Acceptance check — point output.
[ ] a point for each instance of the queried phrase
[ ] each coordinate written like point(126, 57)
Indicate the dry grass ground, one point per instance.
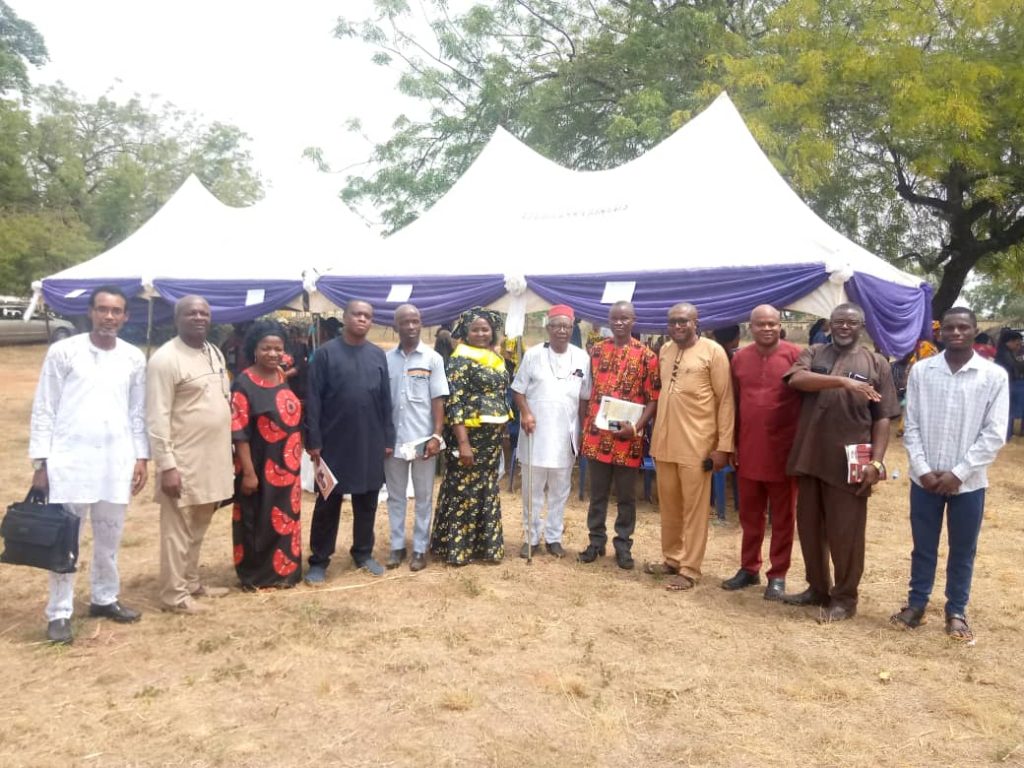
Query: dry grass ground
point(552, 664)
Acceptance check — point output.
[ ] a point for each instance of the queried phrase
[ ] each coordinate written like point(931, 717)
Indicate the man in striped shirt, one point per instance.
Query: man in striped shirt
point(957, 408)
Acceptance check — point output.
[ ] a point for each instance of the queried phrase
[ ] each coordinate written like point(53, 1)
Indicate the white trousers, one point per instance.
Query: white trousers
point(396, 474)
point(546, 487)
point(107, 527)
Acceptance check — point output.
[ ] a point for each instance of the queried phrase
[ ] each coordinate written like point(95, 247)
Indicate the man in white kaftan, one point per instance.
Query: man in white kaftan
point(551, 390)
point(89, 449)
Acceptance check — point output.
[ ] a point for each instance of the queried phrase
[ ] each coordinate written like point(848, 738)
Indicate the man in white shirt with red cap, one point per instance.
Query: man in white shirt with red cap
point(551, 390)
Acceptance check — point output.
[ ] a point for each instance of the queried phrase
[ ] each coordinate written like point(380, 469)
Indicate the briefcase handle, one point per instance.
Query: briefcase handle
point(37, 496)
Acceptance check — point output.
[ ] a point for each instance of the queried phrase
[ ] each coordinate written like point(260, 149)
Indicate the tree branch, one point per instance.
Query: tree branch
point(906, 191)
point(549, 23)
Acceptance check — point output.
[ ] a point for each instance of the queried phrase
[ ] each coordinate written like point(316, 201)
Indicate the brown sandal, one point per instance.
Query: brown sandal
point(680, 582)
point(958, 629)
point(908, 618)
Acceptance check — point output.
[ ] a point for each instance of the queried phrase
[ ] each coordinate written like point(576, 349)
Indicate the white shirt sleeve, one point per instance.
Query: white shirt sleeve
point(46, 403)
point(992, 435)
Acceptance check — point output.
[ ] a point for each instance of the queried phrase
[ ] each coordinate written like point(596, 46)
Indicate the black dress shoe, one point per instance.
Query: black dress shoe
point(807, 597)
point(418, 562)
point(590, 554)
point(115, 612)
point(836, 613)
point(58, 632)
point(775, 590)
point(741, 579)
point(529, 550)
point(624, 560)
point(396, 558)
point(555, 549)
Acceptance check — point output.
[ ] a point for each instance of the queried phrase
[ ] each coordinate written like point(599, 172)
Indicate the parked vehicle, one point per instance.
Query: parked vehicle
point(14, 329)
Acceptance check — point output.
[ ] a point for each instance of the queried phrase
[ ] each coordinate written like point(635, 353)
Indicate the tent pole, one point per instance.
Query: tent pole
point(149, 327)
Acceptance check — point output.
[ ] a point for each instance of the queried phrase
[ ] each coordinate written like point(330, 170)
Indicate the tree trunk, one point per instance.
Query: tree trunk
point(954, 275)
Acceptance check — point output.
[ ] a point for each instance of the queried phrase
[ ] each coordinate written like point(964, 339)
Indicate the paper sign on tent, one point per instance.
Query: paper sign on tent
point(255, 296)
point(618, 290)
point(400, 292)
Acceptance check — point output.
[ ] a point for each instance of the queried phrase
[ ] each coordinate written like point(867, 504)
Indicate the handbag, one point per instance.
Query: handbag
point(40, 535)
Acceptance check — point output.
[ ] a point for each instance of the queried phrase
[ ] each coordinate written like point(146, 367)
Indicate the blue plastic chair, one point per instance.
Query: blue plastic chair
point(647, 465)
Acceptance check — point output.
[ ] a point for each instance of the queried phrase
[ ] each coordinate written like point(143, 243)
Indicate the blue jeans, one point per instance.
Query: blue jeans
point(963, 522)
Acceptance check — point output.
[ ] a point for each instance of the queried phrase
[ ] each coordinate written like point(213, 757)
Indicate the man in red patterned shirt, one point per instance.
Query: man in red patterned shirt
point(623, 368)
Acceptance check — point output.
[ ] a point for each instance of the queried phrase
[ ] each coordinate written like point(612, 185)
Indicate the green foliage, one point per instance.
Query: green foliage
point(81, 176)
point(115, 163)
point(39, 243)
point(901, 121)
point(77, 177)
point(20, 44)
point(999, 291)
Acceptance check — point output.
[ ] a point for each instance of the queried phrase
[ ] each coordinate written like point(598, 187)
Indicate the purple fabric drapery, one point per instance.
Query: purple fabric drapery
point(896, 316)
point(228, 299)
point(722, 296)
point(55, 293)
point(438, 298)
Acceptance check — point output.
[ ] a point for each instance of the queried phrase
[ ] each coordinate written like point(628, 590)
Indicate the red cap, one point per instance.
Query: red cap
point(562, 310)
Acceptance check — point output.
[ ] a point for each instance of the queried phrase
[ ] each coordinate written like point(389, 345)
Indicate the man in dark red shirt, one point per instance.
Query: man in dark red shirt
point(768, 411)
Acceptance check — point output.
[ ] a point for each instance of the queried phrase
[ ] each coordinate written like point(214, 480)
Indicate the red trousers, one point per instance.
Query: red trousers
point(754, 498)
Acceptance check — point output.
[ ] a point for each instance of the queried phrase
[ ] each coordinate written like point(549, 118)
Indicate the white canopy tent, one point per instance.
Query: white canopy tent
point(247, 261)
point(706, 198)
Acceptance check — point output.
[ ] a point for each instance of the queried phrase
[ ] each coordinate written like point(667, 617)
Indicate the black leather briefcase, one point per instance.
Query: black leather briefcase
point(40, 535)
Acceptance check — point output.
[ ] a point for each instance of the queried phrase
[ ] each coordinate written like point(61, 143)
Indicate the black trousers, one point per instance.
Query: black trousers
point(323, 532)
point(601, 478)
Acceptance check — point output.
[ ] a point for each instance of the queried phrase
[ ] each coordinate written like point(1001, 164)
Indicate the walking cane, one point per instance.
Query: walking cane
point(528, 498)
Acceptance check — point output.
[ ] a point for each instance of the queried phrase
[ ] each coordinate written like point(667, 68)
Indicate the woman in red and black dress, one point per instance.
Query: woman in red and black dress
point(266, 419)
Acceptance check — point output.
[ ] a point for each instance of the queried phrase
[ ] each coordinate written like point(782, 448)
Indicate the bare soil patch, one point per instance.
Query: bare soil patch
point(555, 663)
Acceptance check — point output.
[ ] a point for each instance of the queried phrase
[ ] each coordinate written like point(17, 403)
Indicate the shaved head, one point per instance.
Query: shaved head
point(186, 302)
point(406, 309)
point(765, 311)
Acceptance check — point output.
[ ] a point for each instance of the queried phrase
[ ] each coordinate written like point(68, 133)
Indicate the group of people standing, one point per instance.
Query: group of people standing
point(783, 416)
point(779, 414)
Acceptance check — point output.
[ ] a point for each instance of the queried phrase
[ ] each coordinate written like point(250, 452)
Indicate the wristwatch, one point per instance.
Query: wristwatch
point(38, 464)
point(879, 466)
point(440, 441)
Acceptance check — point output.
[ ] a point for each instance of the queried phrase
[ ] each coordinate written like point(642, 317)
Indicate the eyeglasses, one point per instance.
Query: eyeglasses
point(845, 323)
point(559, 327)
point(680, 321)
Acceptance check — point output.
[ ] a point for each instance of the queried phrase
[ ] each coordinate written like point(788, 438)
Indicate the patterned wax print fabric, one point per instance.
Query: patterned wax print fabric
point(265, 528)
point(629, 372)
point(467, 524)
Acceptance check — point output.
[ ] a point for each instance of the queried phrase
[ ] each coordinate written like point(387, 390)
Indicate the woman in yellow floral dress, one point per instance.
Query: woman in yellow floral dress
point(467, 524)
